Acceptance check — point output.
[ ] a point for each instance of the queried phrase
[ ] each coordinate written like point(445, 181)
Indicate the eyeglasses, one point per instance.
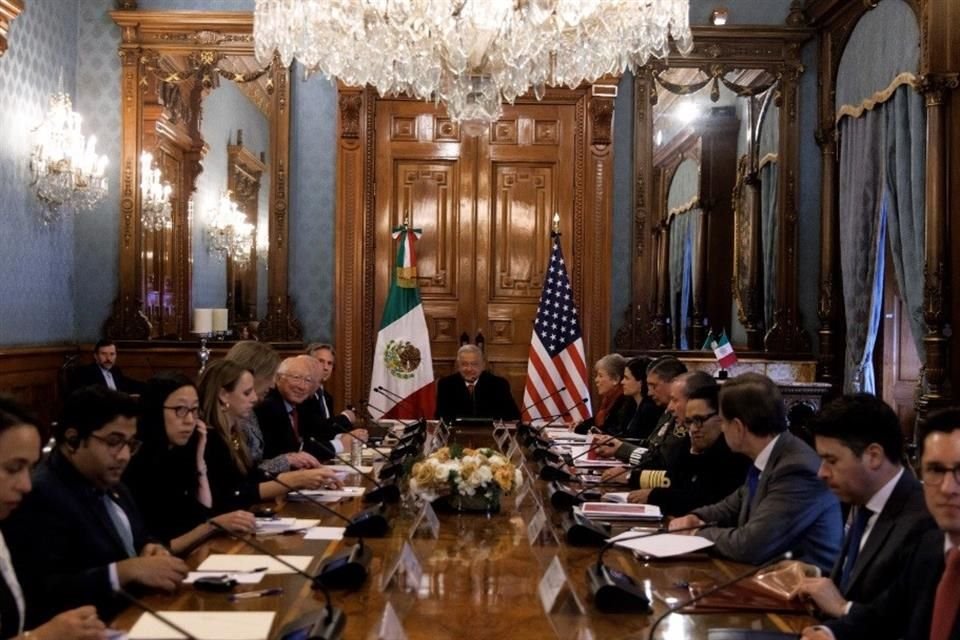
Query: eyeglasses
point(698, 421)
point(297, 377)
point(182, 411)
point(116, 442)
point(934, 474)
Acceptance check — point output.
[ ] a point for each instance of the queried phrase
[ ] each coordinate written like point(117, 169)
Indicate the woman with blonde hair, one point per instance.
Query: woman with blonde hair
point(227, 396)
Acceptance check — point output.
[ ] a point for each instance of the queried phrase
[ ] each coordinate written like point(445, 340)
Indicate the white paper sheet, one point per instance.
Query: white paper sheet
point(205, 625)
point(266, 526)
point(242, 577)
point(324, 533)
point(664, 545)
point(250, 562)
point(615, 496)
point(348, 470)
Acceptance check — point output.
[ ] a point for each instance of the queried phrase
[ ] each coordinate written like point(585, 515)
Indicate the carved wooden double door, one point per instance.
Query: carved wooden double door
point(484, 200)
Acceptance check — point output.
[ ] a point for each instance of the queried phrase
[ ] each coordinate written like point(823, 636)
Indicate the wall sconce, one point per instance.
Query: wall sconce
point(155, 209)
point(719, 17)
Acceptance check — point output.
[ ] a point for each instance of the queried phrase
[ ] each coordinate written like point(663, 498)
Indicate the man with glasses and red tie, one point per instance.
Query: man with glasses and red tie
point(78, 537)
point(923, 600)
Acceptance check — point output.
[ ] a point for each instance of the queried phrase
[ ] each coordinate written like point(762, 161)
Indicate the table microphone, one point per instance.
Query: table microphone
point(416, 424)
point(544, 399)
point(551, 472)
point(335, 620)
point(140, 604)
point(616, 592)
point(383, 493)
point(723, 585)
point(369, 523)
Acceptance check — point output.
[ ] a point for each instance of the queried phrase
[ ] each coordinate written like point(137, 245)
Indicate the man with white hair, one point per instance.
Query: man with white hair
point(473, 392)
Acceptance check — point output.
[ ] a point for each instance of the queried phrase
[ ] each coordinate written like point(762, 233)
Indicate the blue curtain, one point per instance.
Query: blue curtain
point(905, 143)
point(862, 227)
point(769, 177)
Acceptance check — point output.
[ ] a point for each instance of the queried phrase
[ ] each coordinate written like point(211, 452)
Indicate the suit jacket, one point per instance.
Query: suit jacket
point(792, 510)
point(278, 434)
point(887, 550)
point(62, 541)
point(696, 480)
point(491, 398)
point(91, 375)
point(906, 608)
point(9, 611)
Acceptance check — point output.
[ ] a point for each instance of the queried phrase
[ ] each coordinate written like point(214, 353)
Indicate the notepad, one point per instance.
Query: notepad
point(324, 533)
point(205, 625)
point(250, 562)
point(664, 545)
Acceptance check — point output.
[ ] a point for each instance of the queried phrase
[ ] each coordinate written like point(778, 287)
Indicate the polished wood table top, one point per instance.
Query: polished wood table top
point(480, 580)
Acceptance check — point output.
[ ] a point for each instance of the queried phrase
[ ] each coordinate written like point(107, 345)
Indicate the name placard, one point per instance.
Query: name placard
point(390, 626)
point(555, 588)
point(536, 525)
point(426, 517)
point(407, 564)
point(513, 452)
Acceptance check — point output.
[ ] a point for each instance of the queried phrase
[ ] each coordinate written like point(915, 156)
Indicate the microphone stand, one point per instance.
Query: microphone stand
point(335, 620)
point(140, 604)
point(383, 493)
point(368, 523)
point(616, 592)
point(723, 585)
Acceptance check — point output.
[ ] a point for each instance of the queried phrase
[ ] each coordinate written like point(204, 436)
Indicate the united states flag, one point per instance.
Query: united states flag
point(557, 358)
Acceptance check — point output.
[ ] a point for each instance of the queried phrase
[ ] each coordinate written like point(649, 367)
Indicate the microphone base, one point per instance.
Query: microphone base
point(564, 499)
point(615, 592)
point(549, 472)
point(391, 470)
point(369, 523)
point(389, 493)
point(323, 624)
point(345, 570)
point(584, 532)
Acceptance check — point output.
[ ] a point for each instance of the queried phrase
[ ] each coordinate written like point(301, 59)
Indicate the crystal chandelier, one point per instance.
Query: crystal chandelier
point(469, 54)
point(229, 233)
point(66, 170)
point(155, 209)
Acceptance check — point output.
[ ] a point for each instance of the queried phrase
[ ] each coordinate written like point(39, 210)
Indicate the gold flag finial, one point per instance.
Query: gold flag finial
point(556, 222)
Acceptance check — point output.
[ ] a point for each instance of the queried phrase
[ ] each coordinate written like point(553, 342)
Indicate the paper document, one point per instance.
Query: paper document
point(615, 496)
point(348, 470)
point(205, 625)
point(242, 577)
point(251, 562)
point(621, 511)
point(664, 545)
point(266, 526)
point(324, 533)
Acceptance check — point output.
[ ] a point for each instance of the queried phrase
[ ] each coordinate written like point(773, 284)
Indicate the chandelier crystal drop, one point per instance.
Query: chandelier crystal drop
point(155, 209)
point(67, 173)
point(471, 55)
point(229, 234)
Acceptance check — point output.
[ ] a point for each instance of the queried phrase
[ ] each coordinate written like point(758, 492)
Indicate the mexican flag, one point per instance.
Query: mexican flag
point(723, 351)
point(402, 382)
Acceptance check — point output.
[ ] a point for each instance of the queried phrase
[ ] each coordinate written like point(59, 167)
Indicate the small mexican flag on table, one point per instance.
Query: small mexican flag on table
point(722, 349)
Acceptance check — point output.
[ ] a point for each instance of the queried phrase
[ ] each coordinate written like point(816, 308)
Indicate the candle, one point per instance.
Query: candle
point(202, 321)
point(219, 320)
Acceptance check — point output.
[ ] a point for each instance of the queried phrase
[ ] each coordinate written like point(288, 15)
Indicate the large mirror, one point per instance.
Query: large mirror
point(714, 220)
point(215, 122)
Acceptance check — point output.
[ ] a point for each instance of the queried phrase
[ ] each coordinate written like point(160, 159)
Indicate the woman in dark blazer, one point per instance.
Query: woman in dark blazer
point(19, 452)
point(168, 476)
point(615, 408)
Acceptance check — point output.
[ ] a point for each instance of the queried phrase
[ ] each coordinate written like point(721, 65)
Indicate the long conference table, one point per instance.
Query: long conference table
point(483, 576)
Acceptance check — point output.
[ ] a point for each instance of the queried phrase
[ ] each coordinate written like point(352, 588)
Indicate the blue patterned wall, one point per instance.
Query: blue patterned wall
point(808, 199)
point(37, 287)
point(621, 243)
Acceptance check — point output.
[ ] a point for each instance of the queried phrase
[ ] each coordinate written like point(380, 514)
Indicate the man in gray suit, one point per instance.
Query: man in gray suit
point(782, 506)
point(860, 444)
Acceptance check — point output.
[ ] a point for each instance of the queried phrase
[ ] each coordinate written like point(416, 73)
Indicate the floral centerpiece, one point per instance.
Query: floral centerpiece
point(465, 479)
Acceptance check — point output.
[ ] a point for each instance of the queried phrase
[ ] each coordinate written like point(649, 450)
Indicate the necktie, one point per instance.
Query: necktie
point(120, 523)
point(753, 479)
point(108, 378)
point(854, 538)
point(947, 600)
point(470, 386)
point(295, 423)
point(323, 403)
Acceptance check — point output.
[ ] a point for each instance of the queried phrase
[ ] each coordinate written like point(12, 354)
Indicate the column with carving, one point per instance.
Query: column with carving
point(828, 305)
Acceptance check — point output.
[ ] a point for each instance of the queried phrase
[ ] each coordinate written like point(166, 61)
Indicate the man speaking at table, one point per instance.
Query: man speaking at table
point(473, 392)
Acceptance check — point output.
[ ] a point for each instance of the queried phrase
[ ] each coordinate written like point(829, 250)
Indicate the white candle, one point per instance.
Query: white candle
point(202, 321)
point(219, 319)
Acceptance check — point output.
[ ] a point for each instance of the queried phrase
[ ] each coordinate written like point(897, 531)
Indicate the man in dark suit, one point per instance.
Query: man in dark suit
point(923, 600)
point(860, 444)
point(783, 506)
point(104, 372)
point(325, 356)
point(78, 537)
point(473, 392)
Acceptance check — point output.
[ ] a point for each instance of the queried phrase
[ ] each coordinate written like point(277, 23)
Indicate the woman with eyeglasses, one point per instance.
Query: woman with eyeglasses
point(227, 396)
point(168, 476)
point(19, 451)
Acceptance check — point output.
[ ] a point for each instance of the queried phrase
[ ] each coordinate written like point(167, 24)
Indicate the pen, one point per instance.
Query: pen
point(227, 573)
point(248, 595)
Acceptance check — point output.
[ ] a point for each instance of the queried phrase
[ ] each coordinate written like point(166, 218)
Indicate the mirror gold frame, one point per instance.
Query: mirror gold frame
point(210, 35)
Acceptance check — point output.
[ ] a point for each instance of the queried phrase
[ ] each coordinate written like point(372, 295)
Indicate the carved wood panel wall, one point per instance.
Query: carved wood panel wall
point(484, 198)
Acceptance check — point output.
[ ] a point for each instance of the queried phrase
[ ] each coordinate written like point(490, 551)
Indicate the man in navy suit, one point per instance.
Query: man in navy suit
point(783, 506)
point(923, 600)
point(473, 392)
point(78, 537)
point(860, 444)
point(103, 371)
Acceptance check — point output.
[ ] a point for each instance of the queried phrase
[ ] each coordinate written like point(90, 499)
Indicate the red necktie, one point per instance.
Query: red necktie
point(295, 422)
point(947, 601)
point(470, 388)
